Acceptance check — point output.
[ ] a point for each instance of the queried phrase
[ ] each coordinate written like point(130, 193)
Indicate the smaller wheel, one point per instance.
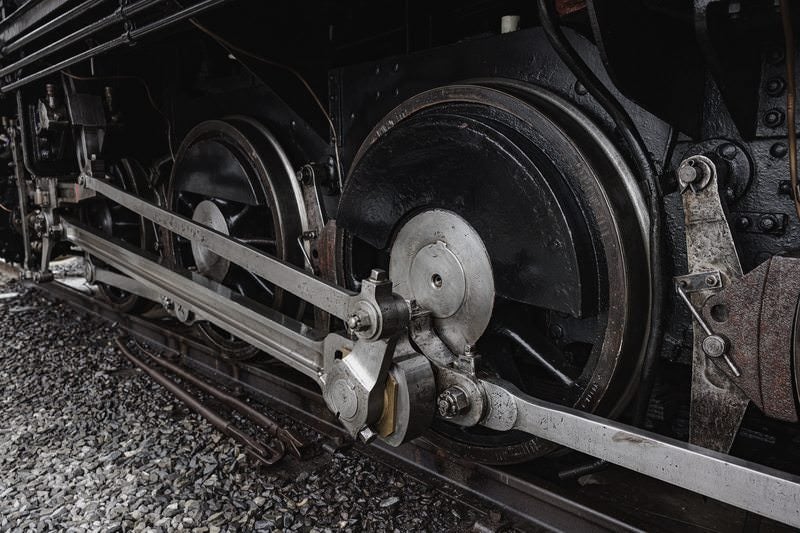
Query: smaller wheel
point(121, 223)
point(231, 175)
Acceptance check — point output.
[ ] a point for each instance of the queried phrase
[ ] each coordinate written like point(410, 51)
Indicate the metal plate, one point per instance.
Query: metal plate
point(439, 260)
point(208, 263)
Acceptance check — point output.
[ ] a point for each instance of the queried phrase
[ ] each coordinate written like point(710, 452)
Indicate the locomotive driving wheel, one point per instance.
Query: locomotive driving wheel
point(506, 212)
point(231, 175)
point(121, 223)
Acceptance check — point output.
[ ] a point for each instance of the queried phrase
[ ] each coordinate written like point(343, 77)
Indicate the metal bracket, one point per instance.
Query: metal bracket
point(718, 404)
point(713, 345)
point(700, 281)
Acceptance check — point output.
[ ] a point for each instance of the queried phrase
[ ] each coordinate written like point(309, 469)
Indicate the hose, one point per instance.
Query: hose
point(652, 189)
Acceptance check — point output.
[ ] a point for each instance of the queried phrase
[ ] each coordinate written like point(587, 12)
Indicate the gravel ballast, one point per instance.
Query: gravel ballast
point(87, 443)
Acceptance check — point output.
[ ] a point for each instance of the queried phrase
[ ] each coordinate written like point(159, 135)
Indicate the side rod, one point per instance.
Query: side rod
point(288, 340)
point(319, 293)
point(747, 485)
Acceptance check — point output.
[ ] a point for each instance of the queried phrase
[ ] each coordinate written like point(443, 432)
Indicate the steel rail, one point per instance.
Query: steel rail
point(126, 38)
point(318, 292)
point(260, 451)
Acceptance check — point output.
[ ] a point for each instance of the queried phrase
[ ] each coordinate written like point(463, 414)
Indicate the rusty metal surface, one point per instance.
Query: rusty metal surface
point(776, 330)
point(759, 314)
point(742, 304)
point(717, 404)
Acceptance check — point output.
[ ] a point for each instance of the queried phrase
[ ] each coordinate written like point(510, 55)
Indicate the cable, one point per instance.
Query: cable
point(149, 95)
point(791, 88)
point(231, 48)
point(652, 189)
point(4, 208)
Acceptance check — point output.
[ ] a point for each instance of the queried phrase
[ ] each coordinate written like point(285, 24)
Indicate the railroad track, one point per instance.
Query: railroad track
point(536, 496)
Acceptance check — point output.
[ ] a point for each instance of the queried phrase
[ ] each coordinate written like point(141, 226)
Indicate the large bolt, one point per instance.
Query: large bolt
point(714, 346)
point(452, 402)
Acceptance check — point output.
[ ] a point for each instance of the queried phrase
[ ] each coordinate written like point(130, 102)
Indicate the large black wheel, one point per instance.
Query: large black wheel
point(509, 213)
point(232, 176)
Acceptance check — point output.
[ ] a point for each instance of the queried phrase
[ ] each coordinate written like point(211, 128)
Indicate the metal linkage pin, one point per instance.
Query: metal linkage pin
point(713, 345)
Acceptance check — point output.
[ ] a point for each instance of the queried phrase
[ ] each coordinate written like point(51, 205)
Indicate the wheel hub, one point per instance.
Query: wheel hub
point(208, 263)
point(440, 261)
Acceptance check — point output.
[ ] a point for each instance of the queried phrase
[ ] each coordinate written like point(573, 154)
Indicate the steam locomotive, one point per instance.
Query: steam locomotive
point(506, 227)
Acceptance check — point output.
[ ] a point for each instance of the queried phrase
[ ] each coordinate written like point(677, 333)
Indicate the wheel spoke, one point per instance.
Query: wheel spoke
point(235, 219)
point(259, 242)
point(262, 284)
point(545, 364)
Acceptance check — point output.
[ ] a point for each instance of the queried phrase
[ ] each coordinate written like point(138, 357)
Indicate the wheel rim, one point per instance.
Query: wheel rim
point(548, 165)
point(232, 175)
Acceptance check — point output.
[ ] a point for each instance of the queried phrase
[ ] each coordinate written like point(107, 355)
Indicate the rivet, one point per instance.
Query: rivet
point(778, 150)
point(775, 86)
point(773, 118)
point(743, 222)
point(727, 150)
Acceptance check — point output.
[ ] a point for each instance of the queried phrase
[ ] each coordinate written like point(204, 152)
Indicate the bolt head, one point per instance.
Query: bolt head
point(743, 222)
point(366, 435)
point(378, 274)
point(452, 402)
point(775, 86)
point(768, 223)
point(773, 118)
point(688, 174)
point(714, 346)
point(353, 322)
point(778, 150)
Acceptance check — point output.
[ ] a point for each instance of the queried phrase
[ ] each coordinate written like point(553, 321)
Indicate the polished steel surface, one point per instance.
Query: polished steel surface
point(440, 261)
point(759, 489)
